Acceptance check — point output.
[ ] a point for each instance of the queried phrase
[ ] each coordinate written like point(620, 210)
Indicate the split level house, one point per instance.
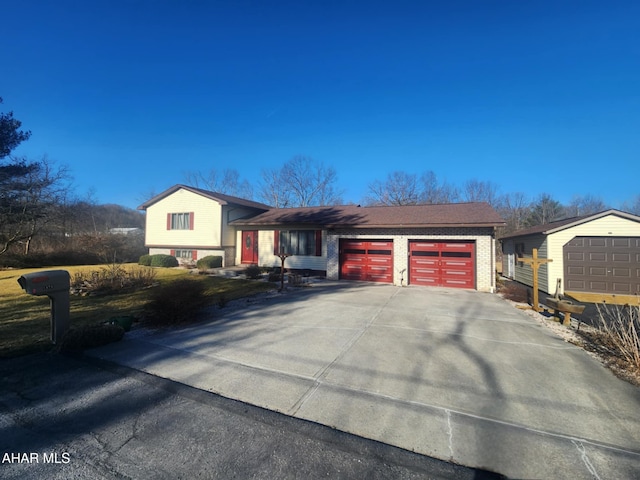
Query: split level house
point(450, 245)
point(592, 255)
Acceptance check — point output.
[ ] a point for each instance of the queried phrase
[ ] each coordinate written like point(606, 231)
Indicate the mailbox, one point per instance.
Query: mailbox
point(55, 285)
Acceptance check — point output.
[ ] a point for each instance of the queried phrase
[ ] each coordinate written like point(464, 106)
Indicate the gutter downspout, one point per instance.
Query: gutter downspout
point(493, 261)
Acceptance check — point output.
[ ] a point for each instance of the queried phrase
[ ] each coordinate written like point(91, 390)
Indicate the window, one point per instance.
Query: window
point(519, 249)
point(298, 242)
point(180, 221)
point(185, 254)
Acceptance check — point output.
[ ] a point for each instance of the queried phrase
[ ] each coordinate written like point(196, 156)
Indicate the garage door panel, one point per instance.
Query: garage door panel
point(576, 285)
point(456, 263)
point(621, 257)
point(352, 257)
point(380, 260)
point(366, 260)
point(426, 281)
point(622, 288)
point(388, 246)
point(424, 246)
point(597, 271)
point(445, 264)
point(424, 272)
point(420, 261)
point(621, 272)
point(457, 283)
point(354, 272)
point(621, 242)
point(597, 286)
point(454, 273)
point(602, 265)
point(576, 256)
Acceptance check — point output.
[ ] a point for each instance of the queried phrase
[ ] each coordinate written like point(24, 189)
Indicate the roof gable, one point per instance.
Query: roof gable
point(432, 215)
point(559, 225)
point(221, 198)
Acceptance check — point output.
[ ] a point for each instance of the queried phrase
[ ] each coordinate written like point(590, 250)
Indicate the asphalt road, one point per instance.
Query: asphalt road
point(80, 418)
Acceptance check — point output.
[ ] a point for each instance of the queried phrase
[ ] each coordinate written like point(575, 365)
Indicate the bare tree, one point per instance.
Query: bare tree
point(632, 206)
point(480, 191)
point(271, 189)
point(227, 181)
point(544, 210)
point(310, 182)
point(584, 205)
point(301, 182)
point(514, 208)
point(435, 192)
point(400, 188)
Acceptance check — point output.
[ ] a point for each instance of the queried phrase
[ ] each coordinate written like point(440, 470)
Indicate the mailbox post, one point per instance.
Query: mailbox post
point(55, 285)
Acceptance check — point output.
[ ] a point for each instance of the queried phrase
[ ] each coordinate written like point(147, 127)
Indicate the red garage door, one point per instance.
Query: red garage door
point(442, 264)
point(371, 261)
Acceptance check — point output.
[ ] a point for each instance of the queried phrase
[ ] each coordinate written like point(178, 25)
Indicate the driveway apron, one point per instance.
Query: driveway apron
point(454, 374)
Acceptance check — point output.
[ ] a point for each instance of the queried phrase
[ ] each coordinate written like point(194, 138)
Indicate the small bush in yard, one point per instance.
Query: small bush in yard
point(163, 260)
point(274, 277)
point(176, 302)
point(145, 260)
point(253, 271)
point(208, 262)
point(114, 278)
point(79, 339)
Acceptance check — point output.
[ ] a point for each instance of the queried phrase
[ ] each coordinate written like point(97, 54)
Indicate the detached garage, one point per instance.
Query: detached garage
point(595, 256)
point(449, 245)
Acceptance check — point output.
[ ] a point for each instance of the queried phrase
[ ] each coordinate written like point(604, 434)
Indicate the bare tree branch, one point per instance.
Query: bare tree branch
point(227, 181)
point(400, 188)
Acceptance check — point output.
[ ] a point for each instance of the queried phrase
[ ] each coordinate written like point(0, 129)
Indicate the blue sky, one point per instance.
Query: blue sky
point(533, 96)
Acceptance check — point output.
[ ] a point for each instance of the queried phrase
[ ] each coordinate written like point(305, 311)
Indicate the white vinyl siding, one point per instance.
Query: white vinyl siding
point(608, 226)
point(205, 232)
point(230, 213)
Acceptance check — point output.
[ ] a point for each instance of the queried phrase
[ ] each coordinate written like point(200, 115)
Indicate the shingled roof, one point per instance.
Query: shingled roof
point(352, 216)
point(221, 198)
point(558, 225)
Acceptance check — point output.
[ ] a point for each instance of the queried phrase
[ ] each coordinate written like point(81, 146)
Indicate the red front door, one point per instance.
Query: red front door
point(249, 246)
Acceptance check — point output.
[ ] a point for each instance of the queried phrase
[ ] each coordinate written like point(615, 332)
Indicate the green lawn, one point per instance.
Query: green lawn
point(24, 319)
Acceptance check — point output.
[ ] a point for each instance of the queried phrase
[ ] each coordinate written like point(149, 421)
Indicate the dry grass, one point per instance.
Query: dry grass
point(513, 291)
point(615, 339)
point(24, 319)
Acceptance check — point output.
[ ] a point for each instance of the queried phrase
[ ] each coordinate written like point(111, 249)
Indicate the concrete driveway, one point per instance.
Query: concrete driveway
point(457, 375)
